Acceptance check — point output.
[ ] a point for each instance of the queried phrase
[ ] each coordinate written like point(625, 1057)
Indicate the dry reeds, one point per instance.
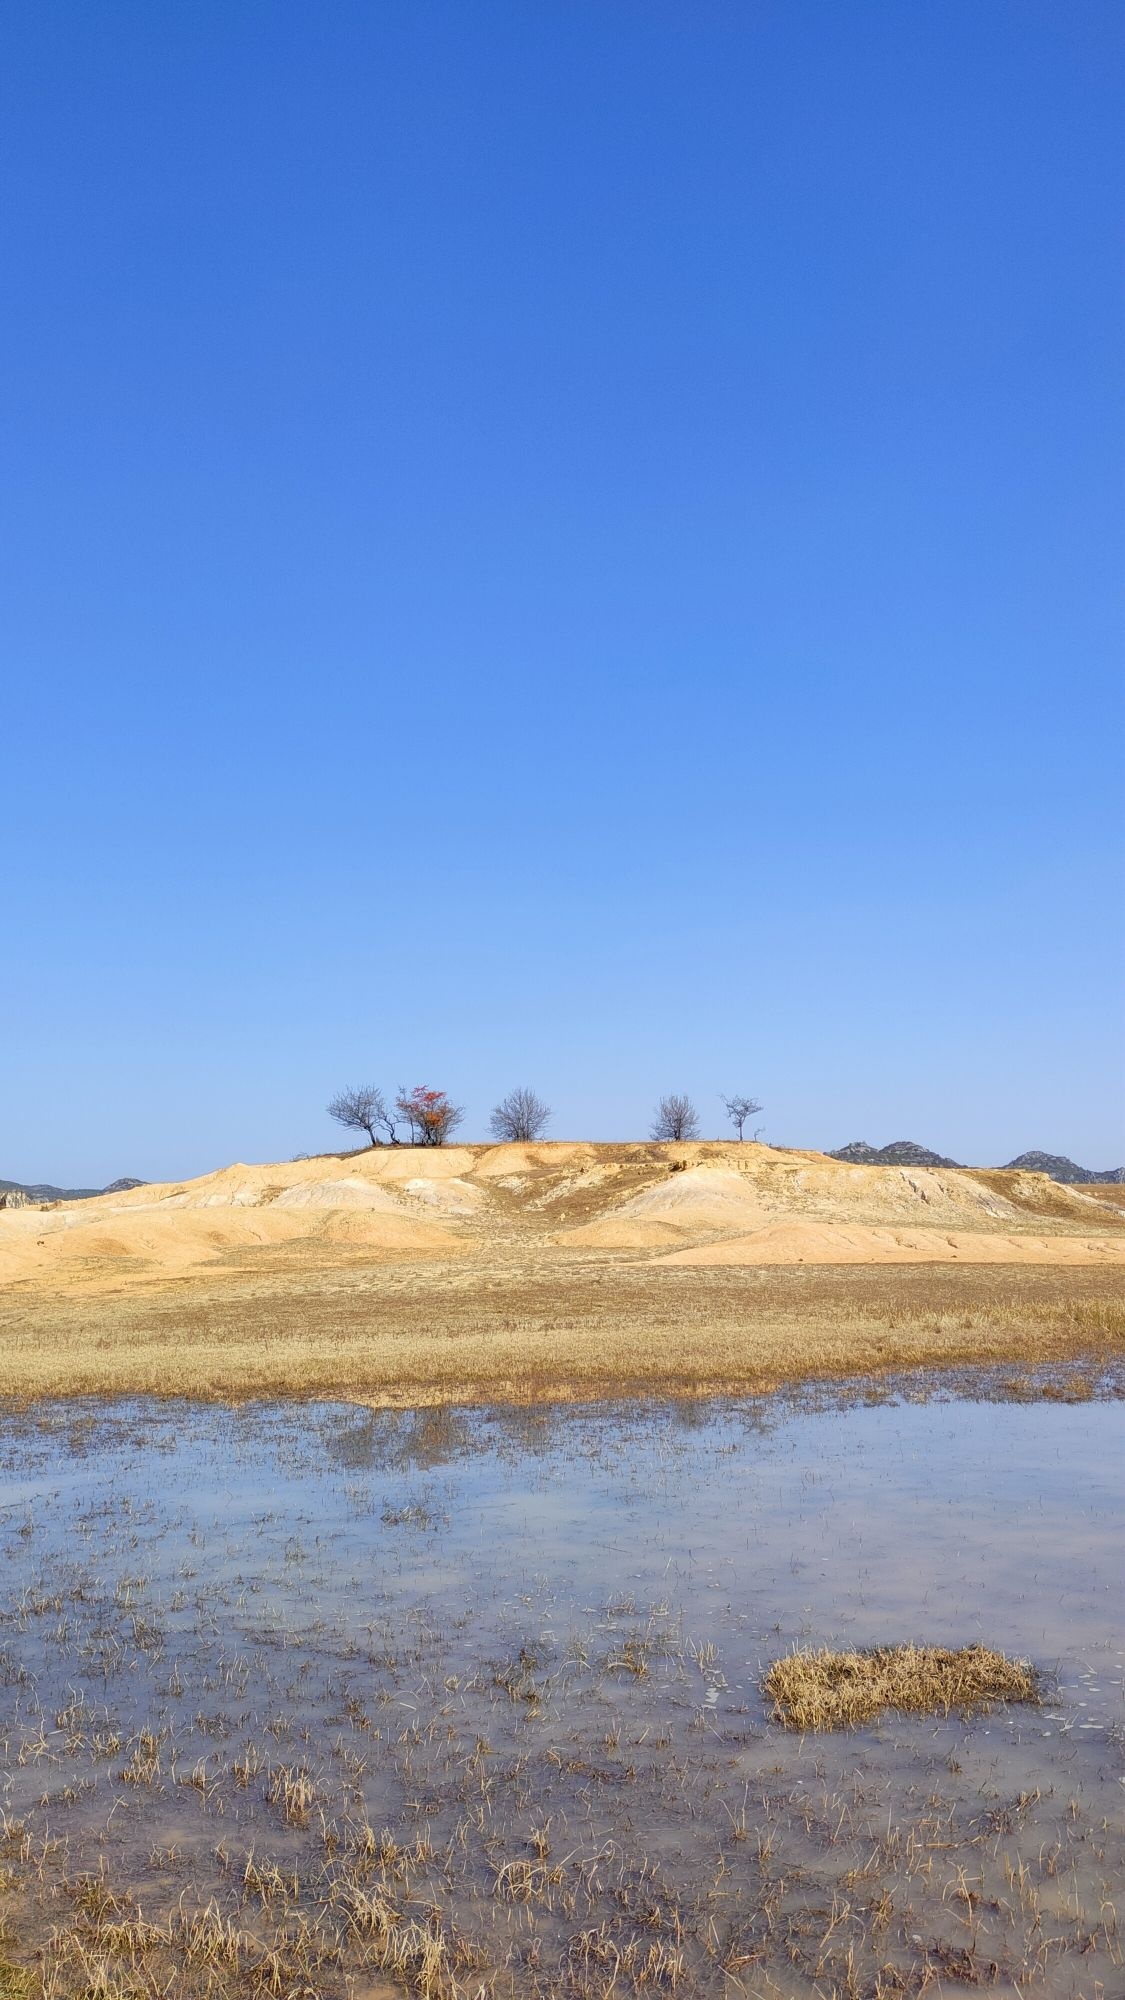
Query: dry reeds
point(16, 1983)
point(827, 1690)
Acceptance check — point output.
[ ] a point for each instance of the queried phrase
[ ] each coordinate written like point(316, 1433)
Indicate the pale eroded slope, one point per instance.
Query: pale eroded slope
point(697, 1204)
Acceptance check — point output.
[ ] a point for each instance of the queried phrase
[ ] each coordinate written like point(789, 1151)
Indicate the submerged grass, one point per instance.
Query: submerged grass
point(827, 1690)
point(510, 1763)
point(15, 1982)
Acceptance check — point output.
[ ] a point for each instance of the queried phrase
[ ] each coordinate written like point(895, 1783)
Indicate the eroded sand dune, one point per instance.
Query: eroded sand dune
point(314, 1208)
point(839, 1243)
point(700, 1204)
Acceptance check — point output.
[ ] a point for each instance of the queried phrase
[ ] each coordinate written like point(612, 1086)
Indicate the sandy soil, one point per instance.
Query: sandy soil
point(555, 1269)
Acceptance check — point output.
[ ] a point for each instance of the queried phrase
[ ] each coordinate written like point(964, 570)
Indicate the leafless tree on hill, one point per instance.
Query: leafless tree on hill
point(739, 1109)
point(520, 1115)
point(363, 1110)
point(676, 1118)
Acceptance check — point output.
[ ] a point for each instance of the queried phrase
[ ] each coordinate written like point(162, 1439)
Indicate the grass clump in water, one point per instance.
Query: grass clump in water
point(15, 1982)
point(827, 1690)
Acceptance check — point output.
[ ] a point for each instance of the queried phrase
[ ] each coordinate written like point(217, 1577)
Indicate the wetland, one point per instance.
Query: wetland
point(319, 1700)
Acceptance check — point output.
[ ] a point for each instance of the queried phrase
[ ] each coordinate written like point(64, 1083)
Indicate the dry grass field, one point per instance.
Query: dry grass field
point(552, 1272)
point(1110, 1193)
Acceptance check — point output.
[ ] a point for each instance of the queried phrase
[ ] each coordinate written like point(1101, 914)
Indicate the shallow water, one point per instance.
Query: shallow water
point(529, 1647)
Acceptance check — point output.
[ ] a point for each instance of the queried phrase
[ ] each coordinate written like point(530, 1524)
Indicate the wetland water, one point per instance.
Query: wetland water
point(309, 1700)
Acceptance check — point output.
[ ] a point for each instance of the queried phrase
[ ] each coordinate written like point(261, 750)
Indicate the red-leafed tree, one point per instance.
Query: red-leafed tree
point(429, 1113)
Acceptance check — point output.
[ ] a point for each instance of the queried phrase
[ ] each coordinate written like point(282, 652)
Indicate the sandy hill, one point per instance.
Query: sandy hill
point(704, 1203)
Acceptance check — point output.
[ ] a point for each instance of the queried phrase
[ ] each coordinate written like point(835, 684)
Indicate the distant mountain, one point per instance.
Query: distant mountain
point(904, 1153)
point(43, 1191)
point(1061, 1169)
point(900, 1153)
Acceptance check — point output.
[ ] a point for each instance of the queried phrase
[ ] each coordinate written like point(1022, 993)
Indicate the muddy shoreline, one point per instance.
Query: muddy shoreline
point(317, 1698)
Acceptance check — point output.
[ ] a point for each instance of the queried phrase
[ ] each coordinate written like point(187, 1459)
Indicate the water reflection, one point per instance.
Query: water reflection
point(499, 1675)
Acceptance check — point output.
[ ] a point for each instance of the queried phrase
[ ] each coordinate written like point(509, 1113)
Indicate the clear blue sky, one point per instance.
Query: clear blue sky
point(575, 543)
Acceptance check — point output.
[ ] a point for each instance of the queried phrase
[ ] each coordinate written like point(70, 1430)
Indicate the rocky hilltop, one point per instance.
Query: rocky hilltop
point(44, 1191)
point(900, 1153)
point(1059, 1168)
point(907, 1153)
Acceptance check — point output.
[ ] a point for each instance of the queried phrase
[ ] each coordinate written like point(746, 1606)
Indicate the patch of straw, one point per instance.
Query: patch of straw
point(827, 1690)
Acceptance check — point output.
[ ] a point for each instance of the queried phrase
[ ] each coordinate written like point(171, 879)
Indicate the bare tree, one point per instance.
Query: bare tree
point(403, 1110)
point(520, 1115)
point(676, 1118)
point(429, 1113)
point(363, 1110)
point(739, 1109)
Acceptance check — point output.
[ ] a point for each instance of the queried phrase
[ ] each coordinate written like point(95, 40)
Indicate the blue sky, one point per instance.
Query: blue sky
point(569, 543)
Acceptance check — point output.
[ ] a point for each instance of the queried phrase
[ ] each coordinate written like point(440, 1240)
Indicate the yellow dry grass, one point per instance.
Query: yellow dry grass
point(529, 1273)
point(16, 1983)
point(1109, 1193)
point(827, 1690)
point(409, 1337)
